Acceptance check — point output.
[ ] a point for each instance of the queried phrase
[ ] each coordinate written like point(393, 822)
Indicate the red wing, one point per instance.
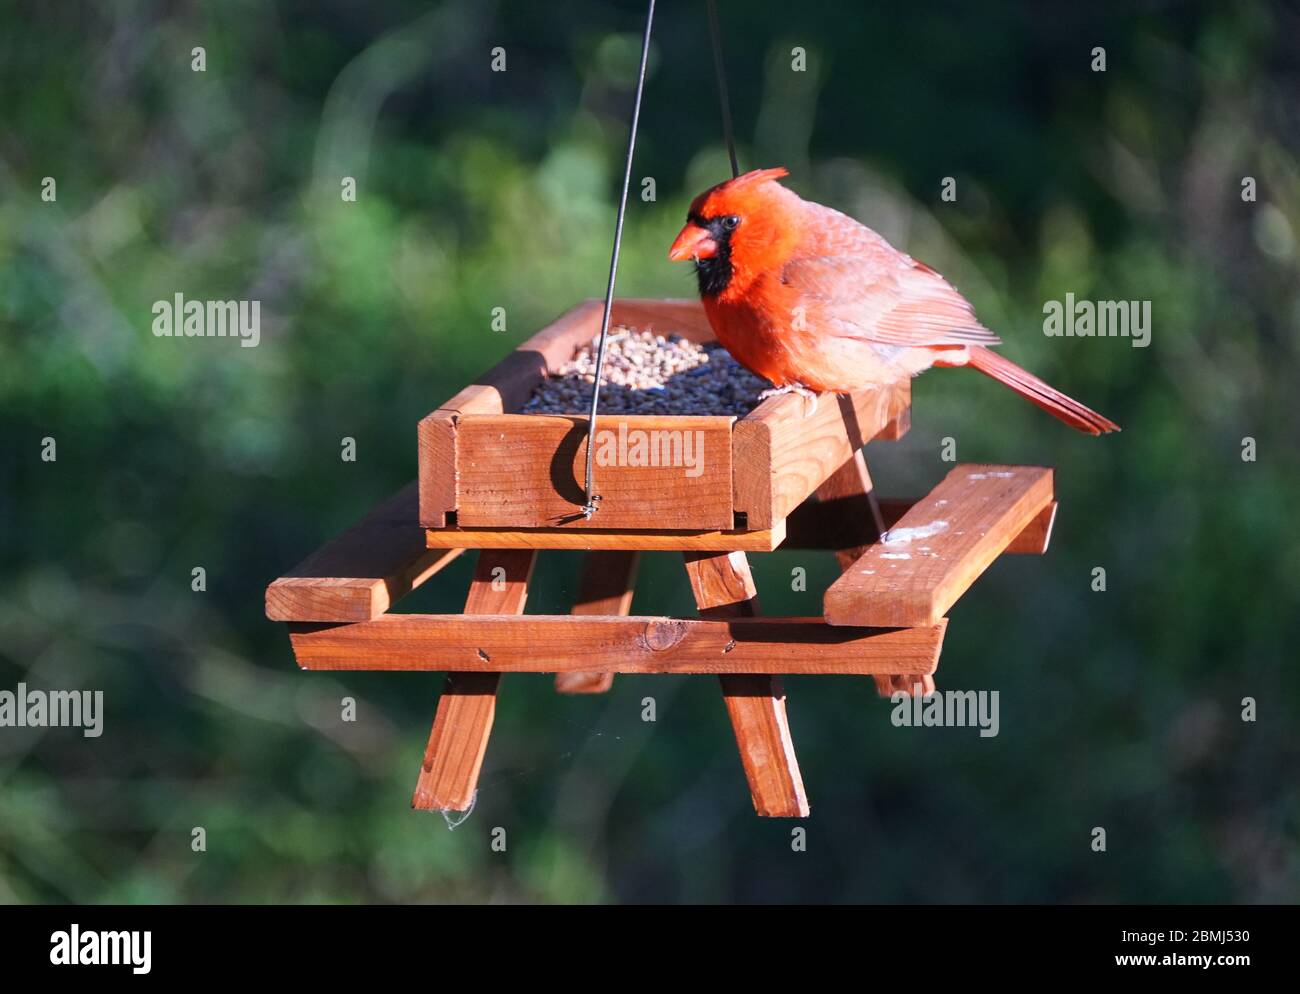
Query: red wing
point(856, 285)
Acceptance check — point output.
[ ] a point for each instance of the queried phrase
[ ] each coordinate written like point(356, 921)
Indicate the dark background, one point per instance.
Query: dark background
point(476, 189)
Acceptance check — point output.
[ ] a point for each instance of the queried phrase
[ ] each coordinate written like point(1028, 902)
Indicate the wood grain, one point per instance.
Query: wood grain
point(782, 454)
point(463, 723)
point(362, 572)
point(722, 584)
point(435, 446)
point(561, 643)
point(724, 588)
point(527, 471)
point(901, 583)
point(605, 589)
point(667, 540)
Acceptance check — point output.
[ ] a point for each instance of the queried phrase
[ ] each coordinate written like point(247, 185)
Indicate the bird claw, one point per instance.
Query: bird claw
point(801, 390)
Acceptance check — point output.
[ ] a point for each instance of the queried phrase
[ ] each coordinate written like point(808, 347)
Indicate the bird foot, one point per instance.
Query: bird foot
point(803, 391)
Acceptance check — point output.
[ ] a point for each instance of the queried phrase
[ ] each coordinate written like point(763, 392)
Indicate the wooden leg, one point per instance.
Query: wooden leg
point(850, 488)
point(452, 760)
point(606, 589)
point(724, 588)
point(454, 755)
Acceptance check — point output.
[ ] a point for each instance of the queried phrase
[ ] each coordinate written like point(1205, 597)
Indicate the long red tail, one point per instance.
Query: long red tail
point(1037, 392)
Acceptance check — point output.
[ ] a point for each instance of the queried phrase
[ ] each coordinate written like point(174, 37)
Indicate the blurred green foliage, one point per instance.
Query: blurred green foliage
point(480, 189)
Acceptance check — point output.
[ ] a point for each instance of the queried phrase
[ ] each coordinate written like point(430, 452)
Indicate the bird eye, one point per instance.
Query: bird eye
point(730, 221)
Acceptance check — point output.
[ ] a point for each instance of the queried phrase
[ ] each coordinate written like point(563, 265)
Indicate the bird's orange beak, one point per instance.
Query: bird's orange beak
point(693, 242)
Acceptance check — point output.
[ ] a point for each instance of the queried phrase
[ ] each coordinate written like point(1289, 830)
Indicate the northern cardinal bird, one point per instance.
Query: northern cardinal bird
point(814, 301)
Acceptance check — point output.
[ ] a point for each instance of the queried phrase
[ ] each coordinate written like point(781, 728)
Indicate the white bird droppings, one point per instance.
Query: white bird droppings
point(901, 536)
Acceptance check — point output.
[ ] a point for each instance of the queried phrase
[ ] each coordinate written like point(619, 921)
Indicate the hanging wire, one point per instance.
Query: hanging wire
point(590, 507)
point(720, 71)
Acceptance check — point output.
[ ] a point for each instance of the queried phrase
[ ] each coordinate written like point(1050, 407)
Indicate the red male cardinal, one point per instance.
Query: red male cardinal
point(814, 301)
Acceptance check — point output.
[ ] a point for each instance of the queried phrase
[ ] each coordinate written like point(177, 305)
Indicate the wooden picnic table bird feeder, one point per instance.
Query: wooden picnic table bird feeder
point(510, 485)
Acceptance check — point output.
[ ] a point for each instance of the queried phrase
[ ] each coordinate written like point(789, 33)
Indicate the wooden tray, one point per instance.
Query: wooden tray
point(485, 469)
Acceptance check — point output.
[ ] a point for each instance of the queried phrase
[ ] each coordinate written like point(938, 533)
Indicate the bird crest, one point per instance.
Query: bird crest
point(740, 184)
